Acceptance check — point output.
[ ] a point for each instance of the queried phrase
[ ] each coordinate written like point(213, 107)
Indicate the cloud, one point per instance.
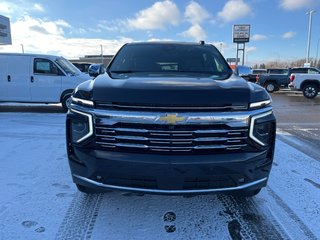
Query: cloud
point(221, 46)
point(259, 37)
point(160, 39)
point(16, 10)
point(250, 49)
point(38, 29)
point(50, 39)
point(297, 4)
point(158, 16)
point(234, 10)
point(38, 7)
point(288, 35)
point(5, 8)
point(195, 14)
point(195, 32)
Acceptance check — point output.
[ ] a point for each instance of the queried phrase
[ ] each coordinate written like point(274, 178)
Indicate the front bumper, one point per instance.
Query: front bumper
point(165, 174)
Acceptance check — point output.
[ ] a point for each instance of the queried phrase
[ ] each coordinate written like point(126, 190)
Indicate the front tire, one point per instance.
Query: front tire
point(66, 102)
point(310, 90)
point(270, 87)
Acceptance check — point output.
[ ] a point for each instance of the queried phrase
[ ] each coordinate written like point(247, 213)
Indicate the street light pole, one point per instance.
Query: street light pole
point(309, 33)
point(101, 51)
point(317, 51)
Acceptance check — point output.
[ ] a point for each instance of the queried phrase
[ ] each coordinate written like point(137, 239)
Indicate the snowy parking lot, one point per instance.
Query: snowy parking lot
point(40, 201)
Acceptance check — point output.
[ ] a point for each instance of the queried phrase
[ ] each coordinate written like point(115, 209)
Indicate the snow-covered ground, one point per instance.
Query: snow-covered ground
point(39, 201)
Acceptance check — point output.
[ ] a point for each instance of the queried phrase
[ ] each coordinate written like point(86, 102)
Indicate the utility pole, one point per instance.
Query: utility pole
point(317, 51)
point(22, 48)
point(309, 33)
point(101, 51)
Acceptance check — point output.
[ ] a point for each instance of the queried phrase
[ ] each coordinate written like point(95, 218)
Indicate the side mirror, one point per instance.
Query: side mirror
point(96, 69)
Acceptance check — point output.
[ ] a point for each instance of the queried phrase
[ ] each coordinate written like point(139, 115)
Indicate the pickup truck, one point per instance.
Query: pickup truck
point(309, 84)
point(273, 82)
point(252, 75)
point(170, 118)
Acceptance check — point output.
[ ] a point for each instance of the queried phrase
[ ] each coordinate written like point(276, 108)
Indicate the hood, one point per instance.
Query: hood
point(171, 91)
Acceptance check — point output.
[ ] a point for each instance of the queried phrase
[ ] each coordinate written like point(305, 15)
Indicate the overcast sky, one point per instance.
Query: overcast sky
point(279, 28)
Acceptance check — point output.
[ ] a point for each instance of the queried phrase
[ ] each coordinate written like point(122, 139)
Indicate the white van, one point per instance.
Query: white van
point(35, 78)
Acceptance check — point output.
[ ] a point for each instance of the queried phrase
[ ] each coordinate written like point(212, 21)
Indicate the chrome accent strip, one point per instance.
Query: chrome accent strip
point(235, 107)
point(252, 126)
point(232, 119)
point(170, 148)
point(83, 101)
point(98, 184)
point(260, 104)
point(90, 124)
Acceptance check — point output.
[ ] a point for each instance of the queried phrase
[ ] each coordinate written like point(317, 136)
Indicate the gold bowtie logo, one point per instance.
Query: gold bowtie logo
point(172, 119)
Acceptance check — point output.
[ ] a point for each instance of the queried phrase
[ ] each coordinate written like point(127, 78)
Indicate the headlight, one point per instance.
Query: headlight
point(82, 102)
point(260, 104)
point(81, 126)
point(261, 128)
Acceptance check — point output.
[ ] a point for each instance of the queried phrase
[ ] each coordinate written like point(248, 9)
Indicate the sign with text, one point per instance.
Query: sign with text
point(231, 60)
point(241, 33)
point(5, 33)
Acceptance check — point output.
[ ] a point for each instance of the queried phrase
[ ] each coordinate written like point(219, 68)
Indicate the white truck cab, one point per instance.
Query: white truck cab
point(36, 78)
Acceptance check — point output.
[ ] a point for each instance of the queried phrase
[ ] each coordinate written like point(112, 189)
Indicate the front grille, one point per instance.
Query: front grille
point(188, 183)
point(173, 108)
point(214, 138)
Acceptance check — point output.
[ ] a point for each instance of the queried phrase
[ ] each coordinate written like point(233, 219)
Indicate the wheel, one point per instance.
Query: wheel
point(310, 90)
point(270, 87)
point(66, 102)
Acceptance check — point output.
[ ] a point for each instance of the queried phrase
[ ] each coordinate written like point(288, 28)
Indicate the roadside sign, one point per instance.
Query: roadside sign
point(5, 33)
point(241, 33)
point(306, 65)
point(231, 60)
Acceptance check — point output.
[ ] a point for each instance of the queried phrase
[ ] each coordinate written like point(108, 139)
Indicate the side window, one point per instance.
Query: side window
point(44, 66)
point(312, 71)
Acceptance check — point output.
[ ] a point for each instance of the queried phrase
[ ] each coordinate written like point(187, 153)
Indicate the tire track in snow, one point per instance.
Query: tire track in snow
point(246, 221)
point(80, 218)
point(306, 231)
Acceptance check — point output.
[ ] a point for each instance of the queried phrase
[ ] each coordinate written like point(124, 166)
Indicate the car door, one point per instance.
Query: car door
point(17, 78)
point(45, 81)
point(3, 78)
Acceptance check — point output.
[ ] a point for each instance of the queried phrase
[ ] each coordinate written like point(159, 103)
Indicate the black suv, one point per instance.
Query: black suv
point(170, 118)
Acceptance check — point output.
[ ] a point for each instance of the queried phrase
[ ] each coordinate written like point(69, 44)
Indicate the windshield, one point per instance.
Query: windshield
point(170, 59)
point(67, 66)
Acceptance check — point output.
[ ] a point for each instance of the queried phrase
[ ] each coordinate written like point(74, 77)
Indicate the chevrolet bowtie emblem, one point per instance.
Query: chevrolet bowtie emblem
point(172, 119)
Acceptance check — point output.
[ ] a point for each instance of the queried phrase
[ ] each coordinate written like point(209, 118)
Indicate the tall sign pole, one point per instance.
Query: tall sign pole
point(309, 34)
point(241, 35)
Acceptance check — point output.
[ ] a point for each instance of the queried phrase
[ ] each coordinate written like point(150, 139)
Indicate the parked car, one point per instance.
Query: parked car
point(309, 84)
point(35, 78)
point(273, 81)
point(242, 71)
point(83, 67)
point(277, 71)
point(170, 118)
